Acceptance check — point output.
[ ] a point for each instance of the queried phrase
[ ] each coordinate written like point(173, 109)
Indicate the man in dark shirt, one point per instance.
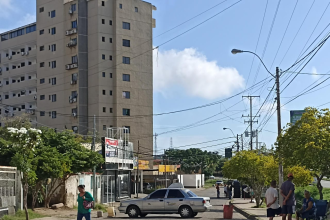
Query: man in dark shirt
point(289, 201)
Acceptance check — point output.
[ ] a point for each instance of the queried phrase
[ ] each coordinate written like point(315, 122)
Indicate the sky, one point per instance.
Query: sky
point(196, 68)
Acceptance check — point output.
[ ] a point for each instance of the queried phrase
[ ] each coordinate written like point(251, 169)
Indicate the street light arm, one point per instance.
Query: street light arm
point(231, 131)
point(235, 51)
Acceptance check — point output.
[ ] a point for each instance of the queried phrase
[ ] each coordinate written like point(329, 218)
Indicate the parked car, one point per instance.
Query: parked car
point(212, 177)
point(166, 201)
point(220, 182)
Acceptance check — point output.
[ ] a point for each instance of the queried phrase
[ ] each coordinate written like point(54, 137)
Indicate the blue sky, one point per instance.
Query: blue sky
point(197, 68)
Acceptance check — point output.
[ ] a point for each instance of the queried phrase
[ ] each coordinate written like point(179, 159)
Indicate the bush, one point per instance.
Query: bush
point(20, 215)
point(100, 207)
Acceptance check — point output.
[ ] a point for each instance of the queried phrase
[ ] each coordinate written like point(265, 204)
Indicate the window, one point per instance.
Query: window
point(17, 33)
point(22, 78)
point(175, 193)
point(110, 40)
point(103, 39)
point(126, 60)
point(110, 22)
point(42, 64)
point(53, 114)
point(126, 95)
point(29, 77)
point(6, 96)
point(42, 9)
point(136, 9)
point(104, 127)
point(103, 74)
point(191, 194)
point(110, 110)
point(110, 92)
point(42, 81)
point(110, 57)
point(53, 14)
point(13, 81)
point(110, 75)
point(41, 32)
point(53, 31)
point(42, 113)
point(103, 57)
point(160, 194)
point(74, 24)
point(42, 97)
point(53, 64)
point(22, 64)
point(103, 21)
point(126, 112)
point(126, 77)
point(103, 92)
point(42, 48)
point(53, 98)
point(126, 43)
point(31, 28)
point(103, 4)
point(53, 81)
point(104, 109)
point(4, 37)
point(126, 26)
point(73, 7)
point(121, 6)
point(53, 47)
point(74, 59)
point(23, 107)
point(30, 48)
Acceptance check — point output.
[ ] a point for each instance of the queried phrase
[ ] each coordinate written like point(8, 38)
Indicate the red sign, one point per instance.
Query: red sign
point(111, 142)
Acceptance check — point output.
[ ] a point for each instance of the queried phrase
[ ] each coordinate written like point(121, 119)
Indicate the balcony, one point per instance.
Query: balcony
point(19, 100)
point(28, 83)
point(19, 56)
point(70, 32)
point(30, 111)
point(71, 66)
point(19, 71)
point(72, 43)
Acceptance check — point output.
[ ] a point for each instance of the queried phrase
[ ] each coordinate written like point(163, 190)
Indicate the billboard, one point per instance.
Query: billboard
point(295, 115)
point(228, 153)
point(111, 147)
point(168, 168)
point(143, 164)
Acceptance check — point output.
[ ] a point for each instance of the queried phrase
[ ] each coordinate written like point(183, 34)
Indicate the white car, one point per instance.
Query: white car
point(212, 177)
point(220, 182)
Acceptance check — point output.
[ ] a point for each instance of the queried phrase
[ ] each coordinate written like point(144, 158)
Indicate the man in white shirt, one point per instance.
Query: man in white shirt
point(271, 199)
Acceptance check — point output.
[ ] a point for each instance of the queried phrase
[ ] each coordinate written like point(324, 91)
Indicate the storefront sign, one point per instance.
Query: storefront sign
point(168, 168)
point(111, 147)
point(143, 164)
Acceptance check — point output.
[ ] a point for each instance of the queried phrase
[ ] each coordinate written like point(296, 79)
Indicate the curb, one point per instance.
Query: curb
point(246, 214)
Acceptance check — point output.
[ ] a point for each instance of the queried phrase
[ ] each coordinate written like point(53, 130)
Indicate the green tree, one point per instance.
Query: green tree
point(307, 143)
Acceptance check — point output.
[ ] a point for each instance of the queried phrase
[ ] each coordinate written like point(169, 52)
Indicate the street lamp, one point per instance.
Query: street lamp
point(237, 143)
point(279, 127)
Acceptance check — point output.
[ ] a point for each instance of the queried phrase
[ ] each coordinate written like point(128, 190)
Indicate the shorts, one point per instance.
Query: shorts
point(273, 212)
point(288, 209)
point(305, 214)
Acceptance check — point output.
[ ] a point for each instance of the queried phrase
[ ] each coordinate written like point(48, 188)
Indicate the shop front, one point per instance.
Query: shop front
point(115, 185)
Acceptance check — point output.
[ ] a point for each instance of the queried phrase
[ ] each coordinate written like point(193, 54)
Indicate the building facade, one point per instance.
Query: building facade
point(82, 58)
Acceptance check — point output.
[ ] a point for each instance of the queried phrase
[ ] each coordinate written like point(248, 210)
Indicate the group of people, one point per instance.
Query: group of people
point(289, 203)
point(227, 190)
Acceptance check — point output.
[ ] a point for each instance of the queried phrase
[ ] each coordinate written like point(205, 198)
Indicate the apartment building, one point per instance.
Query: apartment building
point(82, 58)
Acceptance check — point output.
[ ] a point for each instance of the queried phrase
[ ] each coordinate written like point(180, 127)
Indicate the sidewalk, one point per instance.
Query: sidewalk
point(244, 207)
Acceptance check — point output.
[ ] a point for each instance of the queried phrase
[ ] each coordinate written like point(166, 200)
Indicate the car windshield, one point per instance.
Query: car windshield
point(191, 194)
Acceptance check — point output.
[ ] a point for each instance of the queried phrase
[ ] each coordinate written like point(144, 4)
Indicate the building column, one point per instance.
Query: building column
point(141, 182)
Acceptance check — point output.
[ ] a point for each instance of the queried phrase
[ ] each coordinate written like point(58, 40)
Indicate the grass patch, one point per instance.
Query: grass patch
point(299, 194)
point(20, 215)
point(209, 183)
point(263, 205)
point(100, 207)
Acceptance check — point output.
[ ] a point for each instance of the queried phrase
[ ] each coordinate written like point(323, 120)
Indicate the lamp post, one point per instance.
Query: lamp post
point(279, 126)
point(237, 143)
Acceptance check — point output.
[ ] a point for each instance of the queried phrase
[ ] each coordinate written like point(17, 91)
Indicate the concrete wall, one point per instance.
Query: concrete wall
point(191, 180)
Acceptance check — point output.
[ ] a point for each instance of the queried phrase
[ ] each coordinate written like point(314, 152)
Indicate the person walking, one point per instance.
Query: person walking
point(218, 190)
point(225, 190)
point(85, 203)
point(229, 191)
point(271, 199)
point(289, 201)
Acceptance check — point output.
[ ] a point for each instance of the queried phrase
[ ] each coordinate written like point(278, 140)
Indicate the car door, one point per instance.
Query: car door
point(155, 202)
point(175, 198)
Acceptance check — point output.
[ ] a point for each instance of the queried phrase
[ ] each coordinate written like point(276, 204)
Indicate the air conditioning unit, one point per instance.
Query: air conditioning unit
point(74, 114)
point(74, 99)
point(67, 67)
point(70, 100)
point(74, 31)
point(27, 53)
point(73, 82)
point(22, 53)
point(75, 128)
point(35, 97)
point(70, 12)
point(74, 65)
point(9, 57)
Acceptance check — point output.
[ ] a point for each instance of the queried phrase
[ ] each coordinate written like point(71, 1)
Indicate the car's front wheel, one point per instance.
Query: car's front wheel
point(195, 213)
point(143, 215)
point(185, 212)
point(133, 211)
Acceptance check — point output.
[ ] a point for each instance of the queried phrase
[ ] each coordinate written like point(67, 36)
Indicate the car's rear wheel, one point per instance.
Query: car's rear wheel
point(185, 212)
point(143, 215)
point(133, 211)
point(195, 213)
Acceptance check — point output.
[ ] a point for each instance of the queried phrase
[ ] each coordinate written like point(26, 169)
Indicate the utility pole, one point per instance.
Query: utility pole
point(279, 128)
point(165, 172)
point(138, 155)
point(257, 148)
point(171, 144)
point(94, 169)
point(155, 156)
point(237, 144)
point(242, 141)
point(251, 118)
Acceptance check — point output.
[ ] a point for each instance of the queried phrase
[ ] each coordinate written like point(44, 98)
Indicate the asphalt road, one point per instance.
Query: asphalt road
point(325, 184)
point(216, 212)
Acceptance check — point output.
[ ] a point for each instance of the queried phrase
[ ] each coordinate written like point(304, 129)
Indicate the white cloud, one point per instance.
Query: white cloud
point(27, 19)
point(314, 71)
point(192, 71)
point(6, 8)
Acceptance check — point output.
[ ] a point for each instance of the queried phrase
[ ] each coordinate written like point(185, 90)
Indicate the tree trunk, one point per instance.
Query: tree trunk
point(25, 193)
point(319, 186)
point(35, 191)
